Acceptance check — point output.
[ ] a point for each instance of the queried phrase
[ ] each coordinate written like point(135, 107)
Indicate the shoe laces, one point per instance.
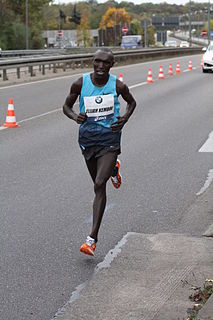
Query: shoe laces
point(115, 179)
point(90, 241)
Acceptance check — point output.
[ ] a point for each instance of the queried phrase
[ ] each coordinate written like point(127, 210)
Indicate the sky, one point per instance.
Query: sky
point(137, 1)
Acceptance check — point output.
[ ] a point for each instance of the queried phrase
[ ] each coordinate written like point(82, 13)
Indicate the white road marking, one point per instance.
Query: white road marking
point(137, 85)
point(207, 183)
point(40, 115)
point(39, 81)
point(208, 145)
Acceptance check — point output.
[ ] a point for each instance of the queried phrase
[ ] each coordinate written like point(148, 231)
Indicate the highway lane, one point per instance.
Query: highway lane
point(46, 193)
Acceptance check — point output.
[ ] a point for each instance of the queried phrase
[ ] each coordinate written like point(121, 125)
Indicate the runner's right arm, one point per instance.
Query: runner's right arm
point(75, 91)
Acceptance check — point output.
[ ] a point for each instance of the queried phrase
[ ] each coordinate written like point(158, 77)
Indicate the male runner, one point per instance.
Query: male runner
point(100, 130)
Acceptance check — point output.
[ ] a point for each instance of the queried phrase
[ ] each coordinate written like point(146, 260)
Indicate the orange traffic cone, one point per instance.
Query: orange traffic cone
point(121, 77)
point(201, 63)
point(178, 68)
point(161, 75)
point(170, 73)
point(190, 65)
point(11, 118)
point(149, 78)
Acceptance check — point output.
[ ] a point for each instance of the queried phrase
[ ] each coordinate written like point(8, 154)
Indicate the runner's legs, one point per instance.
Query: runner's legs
point(100, 169)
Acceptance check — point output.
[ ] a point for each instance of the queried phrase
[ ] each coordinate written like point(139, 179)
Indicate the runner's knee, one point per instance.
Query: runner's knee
point(100, 183)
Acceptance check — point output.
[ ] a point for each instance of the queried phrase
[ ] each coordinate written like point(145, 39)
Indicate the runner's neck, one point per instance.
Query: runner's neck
point(99, 82)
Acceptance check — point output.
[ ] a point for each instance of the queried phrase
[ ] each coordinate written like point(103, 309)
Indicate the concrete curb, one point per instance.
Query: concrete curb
point(150, 283)
point(206, 313)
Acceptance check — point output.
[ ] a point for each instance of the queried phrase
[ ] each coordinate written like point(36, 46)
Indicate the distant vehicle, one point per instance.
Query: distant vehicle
point(131, 42)
point(208, 58)
point(171, 43)
point(184, 44)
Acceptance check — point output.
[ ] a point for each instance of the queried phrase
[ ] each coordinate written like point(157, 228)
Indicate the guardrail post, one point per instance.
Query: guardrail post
point(43, 69)
point(64, 66)
point(49, 66)
point(39, 67)
point(54, 68)
point(73, 65)
point(31, 71)
point(5, 75)
point(18, 72)
point(82, 64)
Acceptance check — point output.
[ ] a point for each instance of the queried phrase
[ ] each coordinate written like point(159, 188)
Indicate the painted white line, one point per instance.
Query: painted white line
point(40, 115)
point(2, 128)
point(39, 81)
point(208, 145)
point(207, 183)
point(137, 85)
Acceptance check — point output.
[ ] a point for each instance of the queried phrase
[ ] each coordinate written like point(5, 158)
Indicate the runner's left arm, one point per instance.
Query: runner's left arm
point(123, 90)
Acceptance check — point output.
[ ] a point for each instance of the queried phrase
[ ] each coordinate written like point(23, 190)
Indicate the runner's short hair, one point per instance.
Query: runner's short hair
point(107, 50)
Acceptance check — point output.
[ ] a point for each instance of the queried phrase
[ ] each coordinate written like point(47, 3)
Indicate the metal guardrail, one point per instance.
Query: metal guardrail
point(21, 53)
point(85, 60)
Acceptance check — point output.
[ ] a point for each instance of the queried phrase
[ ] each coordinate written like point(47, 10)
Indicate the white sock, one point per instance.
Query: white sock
point(90, 241)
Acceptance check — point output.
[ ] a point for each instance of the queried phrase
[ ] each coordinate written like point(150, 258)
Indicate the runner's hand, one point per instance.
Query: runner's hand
point(81, 117)
point(118, 125)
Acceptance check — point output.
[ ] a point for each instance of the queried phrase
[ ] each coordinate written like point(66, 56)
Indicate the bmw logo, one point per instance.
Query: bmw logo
point(98, 100)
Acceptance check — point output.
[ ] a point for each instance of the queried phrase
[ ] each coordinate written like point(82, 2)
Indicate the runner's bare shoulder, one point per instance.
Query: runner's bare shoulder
point(121, 88)
point(76, 86)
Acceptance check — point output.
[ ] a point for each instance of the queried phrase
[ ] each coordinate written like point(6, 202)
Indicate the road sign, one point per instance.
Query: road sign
point(125, 29)
point(60, 33)
point(203, 33)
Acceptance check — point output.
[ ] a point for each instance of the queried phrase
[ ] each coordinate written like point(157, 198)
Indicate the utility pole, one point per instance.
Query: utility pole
point(209, 22)
point(115, 29)
point(145, 34)
point(190, 24)
point(26, 24)
point(59, 16)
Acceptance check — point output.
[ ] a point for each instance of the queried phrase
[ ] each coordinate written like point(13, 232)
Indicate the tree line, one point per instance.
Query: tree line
point(85, 15)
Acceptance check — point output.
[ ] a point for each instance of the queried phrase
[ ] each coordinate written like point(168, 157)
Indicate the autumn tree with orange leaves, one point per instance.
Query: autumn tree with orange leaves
point(114, 16)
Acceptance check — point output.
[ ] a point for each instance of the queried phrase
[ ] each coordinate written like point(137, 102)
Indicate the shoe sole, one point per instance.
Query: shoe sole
point(86, 250)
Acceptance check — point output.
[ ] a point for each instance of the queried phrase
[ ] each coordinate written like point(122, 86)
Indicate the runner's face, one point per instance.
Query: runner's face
point(102, 63)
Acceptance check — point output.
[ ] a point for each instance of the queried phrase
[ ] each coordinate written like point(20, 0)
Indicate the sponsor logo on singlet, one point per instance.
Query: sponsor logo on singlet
point(98, 99)
point(99, 108)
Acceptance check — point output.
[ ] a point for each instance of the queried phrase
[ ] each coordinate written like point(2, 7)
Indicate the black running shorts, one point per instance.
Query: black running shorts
point(98, 151)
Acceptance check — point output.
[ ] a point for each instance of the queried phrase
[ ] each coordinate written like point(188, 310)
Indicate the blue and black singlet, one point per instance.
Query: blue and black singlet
point(101, 105)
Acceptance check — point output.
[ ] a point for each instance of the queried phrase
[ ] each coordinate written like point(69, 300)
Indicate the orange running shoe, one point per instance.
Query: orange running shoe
point(88, 247)
point(117, 179)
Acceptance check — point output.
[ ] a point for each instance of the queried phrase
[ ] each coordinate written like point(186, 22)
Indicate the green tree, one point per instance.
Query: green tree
point(12, 21)
point(83, 33)
point(151, 35)
point(136, 27)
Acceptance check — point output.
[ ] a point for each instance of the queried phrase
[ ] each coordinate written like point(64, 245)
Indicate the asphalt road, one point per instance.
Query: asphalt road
point(46, 193)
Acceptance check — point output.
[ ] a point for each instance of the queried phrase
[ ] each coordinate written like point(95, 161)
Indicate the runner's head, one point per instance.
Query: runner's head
point(103, 60)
